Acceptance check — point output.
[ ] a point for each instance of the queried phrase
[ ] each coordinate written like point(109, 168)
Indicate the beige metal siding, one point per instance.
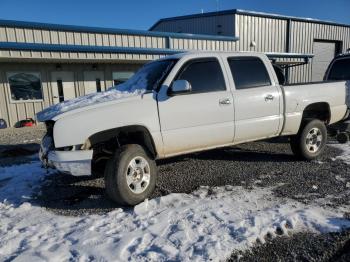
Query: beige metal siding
point(212, 25)
point(27, 35)
point(268, 34)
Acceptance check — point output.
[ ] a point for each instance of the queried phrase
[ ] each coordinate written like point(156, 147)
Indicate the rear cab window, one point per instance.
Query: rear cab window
point(204, 75)
point(248, 72)
point(340, 69)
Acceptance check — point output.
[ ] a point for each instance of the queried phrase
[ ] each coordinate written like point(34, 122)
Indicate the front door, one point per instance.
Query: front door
point(63, 87)
point(202, 118)
point(257, 100)
point(93, 82)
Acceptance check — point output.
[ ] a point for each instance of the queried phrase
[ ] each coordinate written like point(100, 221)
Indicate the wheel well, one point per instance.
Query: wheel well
point(117, 137)
point(319, 111)
point(106, 142)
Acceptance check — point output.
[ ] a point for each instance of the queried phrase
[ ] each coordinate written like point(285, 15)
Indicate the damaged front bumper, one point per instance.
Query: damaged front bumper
point(76, 163)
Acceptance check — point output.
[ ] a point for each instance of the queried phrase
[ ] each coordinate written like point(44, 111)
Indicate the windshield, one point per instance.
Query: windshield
point(340, 70)
point(148, 77)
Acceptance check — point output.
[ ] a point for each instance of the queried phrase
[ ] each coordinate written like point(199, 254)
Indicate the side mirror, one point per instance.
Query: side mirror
point(180, 87)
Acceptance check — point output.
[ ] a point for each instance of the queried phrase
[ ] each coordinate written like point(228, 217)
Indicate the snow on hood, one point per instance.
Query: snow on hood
point(83, 101)
point(135, 86)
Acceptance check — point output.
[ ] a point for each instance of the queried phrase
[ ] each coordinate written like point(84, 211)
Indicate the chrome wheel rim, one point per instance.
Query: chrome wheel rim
point(314, 140)
point(138, 174)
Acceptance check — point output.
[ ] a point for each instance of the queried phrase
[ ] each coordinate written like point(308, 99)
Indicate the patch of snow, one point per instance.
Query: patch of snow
point(206, 224)
point(345, 156)
point(83, 101)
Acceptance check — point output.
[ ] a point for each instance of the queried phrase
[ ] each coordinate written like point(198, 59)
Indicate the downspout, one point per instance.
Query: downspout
point(288, 49)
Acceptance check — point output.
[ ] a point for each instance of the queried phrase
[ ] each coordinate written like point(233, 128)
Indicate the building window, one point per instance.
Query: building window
point(25, 86)
point(121, 77)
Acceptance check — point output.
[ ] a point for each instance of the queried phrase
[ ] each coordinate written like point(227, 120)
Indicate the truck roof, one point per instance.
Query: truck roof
point(270, 55)
point(343, 55)
point(199, 53)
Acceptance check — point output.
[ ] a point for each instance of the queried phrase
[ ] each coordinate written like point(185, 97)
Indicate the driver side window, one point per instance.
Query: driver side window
point(204, 75)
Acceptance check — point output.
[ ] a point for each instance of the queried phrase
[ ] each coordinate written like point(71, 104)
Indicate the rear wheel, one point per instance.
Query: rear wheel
point(311, 140)
point(130, 176)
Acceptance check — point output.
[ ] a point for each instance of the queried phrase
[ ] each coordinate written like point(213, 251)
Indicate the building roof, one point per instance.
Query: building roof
point(142, 47)
point(105, 30)
point(246, 12)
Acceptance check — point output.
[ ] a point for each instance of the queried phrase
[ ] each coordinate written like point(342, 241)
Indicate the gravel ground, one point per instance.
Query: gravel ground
point(262, 164)
point(301, 247)
point(17, 145)
point(25, 135)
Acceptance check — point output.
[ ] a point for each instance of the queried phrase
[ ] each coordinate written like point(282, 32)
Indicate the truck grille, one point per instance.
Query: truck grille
point(49, 132)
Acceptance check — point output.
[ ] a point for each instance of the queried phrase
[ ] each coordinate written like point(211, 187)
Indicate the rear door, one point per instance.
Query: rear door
point(257, 99)
point(203, 118)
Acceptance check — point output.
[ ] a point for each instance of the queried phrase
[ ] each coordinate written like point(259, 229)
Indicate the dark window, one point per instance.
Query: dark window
point(98, 85)
point(119, 81)
point(120, 77)
point(149, 77)
point(248, 72)
point(340, 70)
point(203, 75)
point(25, 86)
point(280, 74)
point(60, 90)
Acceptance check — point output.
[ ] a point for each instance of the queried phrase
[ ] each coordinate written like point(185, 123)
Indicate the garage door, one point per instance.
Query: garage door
point(324, 53)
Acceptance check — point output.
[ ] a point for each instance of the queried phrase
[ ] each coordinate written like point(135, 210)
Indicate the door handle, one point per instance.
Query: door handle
point(269, 98)
point(225, 101)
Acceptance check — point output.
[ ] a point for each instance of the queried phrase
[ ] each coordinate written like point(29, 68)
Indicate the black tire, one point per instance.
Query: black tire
point(342, 138)
point(116, 184)
point(299, 145)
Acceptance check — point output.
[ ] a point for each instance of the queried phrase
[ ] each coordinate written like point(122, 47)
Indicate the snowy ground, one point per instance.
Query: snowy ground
point(207, 224)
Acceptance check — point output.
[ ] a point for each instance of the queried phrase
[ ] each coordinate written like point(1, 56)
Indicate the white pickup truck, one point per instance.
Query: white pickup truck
point(185, 103)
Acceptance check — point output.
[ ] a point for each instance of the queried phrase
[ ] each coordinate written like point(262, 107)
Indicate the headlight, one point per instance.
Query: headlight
point(86, 145)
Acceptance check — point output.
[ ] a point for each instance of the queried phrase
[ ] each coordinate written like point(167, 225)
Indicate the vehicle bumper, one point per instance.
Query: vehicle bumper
point(76, 163)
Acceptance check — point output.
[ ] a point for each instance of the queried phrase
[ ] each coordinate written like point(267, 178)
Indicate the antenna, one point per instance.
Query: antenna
point(217, 5)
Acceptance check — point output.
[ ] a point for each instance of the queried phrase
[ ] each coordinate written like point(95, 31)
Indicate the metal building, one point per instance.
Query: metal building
point(43, 64)
point(270, 33)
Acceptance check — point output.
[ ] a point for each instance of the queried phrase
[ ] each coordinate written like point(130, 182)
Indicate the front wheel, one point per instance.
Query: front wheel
point(311, 140)
point(130, 176)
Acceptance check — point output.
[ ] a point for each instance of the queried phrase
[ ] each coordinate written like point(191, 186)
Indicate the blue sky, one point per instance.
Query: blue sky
point(138, 14)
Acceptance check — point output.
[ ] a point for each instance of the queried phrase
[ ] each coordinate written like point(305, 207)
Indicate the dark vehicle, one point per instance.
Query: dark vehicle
point(339, 69)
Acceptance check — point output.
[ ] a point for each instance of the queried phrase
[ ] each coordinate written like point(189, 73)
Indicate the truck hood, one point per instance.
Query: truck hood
point(84, 101)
